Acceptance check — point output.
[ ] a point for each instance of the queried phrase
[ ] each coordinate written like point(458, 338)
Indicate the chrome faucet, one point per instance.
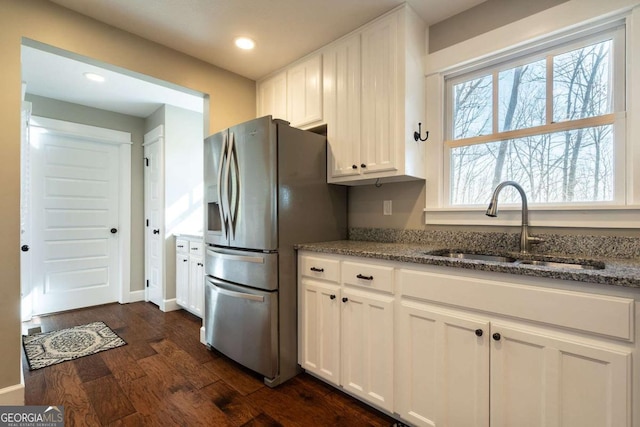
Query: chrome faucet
point(525, 239)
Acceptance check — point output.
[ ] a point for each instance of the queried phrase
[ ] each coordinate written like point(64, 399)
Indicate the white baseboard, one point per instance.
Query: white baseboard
point(170, 305)
point(202, 338)
point(135, 296)
point(12, 395)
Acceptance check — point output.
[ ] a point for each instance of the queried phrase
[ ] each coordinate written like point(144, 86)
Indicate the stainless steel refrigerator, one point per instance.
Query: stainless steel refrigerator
point(265, 191)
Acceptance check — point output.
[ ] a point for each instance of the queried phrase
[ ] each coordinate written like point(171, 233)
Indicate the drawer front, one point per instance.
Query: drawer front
point(182, 246)
point(320, 268)
point(597, 314)
point(195, 248)
point(367, 276)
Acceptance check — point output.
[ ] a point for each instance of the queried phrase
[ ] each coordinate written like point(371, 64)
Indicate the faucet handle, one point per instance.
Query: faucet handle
point(534, 239)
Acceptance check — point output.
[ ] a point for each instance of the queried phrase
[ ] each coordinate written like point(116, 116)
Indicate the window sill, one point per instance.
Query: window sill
point(580, 216)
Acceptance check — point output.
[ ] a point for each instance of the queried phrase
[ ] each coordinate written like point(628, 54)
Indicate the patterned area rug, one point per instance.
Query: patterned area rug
point(48, 348)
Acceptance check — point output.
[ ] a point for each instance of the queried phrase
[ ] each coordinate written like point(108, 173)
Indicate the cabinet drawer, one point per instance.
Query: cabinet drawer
point(195, 248)
point(368, 276)
point(597, 314)
point(320, 268)
point(182, 246)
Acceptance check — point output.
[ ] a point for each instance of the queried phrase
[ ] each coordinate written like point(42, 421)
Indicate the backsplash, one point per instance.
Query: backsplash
point(576, 245)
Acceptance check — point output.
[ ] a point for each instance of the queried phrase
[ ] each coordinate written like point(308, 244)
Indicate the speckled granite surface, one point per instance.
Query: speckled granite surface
point(620, 256)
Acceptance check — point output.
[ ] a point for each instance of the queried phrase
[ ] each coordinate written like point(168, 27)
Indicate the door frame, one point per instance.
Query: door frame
point(105, 136)
point(156, 136)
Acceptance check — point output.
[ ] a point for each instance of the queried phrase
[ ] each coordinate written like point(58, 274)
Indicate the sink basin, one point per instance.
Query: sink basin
point(472, 256)
point(569, 265)
point(549, 262)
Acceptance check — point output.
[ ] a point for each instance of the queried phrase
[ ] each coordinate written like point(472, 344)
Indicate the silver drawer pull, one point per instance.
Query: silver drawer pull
point(234, 294)
point(317, 270)
point(360, 276)
point(242, 258)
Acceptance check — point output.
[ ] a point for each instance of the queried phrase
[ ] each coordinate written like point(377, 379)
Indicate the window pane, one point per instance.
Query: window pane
point(562, 167)
point(521, 96)
point(582, 82)
point(472, 111)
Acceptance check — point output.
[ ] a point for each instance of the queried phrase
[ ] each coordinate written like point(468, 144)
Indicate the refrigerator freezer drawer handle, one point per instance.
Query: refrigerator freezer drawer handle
point(242, 295)
point(242, 258)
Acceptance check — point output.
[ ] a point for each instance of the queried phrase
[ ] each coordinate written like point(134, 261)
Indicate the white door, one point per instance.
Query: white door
point(154, 214)
point(75, 219)
point(320, 325)
point(367, 346)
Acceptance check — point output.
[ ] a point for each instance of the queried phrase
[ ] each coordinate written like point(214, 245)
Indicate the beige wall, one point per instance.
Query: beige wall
point(485, 17)
point(232, 100)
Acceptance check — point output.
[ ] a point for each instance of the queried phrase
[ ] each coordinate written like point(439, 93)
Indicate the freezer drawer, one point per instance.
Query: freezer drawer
point(242, 323)
point(255, 269)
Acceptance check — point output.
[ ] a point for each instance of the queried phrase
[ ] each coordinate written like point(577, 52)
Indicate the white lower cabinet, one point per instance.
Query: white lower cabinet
point(346, 331)
point(190, 276)
point(459, 367)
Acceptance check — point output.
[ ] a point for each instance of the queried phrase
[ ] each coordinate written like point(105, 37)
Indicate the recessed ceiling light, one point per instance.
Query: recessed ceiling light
point(245, 43)
point(94, 77)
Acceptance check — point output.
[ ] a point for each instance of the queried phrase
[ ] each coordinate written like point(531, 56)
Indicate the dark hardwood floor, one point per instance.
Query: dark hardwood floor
point(164, 376)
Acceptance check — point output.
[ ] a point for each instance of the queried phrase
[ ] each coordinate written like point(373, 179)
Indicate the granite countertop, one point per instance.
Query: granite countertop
point(617, 271)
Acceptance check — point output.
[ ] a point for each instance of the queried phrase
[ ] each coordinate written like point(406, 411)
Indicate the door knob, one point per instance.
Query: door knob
point(479, 332)
point(114, 230)
point(497, 336)
point(362, 165)
point(156, 231)
point(24, 248)
point(345, 299)
point(332, 296)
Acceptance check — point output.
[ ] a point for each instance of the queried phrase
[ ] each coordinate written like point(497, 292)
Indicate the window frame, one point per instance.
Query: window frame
point(615, 31)
point(535, 31)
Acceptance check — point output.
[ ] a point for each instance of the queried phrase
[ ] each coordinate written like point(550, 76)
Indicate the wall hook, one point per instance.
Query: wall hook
point(416, 135)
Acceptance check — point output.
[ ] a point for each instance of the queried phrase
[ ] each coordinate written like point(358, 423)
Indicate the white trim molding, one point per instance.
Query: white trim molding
point(12, 395)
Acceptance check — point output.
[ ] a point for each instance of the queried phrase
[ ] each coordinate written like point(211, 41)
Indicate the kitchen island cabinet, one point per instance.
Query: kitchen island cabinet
point(481, 348)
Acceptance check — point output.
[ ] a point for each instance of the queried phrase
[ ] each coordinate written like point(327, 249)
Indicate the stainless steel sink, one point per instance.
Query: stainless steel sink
point(569, 265)
point(549, 263)
point(472, 256)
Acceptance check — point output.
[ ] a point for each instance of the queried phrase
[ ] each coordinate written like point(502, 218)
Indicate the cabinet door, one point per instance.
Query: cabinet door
point(442, 362)
point(196, 285)
point(342, 79)
point(367, 346)
point(272, 97)
point(320, 329)
point(304, 92)
point(539, 380)
point(182, 280)
point(380, 92)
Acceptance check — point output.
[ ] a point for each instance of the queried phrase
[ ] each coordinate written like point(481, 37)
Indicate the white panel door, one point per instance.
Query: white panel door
point(442, 367)
point(342, 81)
point(75, 211)
point(380, 95)
point(154, 230)
point(539, 380)
point(367, 346)
point(320, 325)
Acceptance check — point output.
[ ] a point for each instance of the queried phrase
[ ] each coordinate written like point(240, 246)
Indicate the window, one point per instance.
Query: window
point(547, 119)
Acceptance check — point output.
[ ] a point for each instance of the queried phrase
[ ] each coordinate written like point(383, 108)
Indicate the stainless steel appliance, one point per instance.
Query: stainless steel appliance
point(265, 191)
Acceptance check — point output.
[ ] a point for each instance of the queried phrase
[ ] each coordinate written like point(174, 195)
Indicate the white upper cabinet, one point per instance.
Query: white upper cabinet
point(374, 99)
point(304, 92)
point(272, 96)
point(294, 94)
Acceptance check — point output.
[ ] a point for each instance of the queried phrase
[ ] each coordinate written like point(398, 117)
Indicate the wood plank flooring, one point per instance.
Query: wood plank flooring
point(164, 376)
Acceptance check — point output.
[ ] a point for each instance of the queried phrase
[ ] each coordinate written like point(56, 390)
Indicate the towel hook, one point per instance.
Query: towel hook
point(417, 135)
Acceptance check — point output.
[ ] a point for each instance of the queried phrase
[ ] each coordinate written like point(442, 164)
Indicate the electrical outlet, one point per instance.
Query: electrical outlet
point(386, 207)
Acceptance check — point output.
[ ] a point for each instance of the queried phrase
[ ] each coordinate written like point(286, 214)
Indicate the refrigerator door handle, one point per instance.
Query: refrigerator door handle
point(241, 258)
point(222, 190)
point(235, 294)
point(234, 196)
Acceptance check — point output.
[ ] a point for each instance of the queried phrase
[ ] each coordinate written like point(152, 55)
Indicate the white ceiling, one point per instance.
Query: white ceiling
point(284, 30)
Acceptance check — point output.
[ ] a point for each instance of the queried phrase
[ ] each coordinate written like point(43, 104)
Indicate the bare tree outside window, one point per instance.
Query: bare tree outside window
point(511, 136)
